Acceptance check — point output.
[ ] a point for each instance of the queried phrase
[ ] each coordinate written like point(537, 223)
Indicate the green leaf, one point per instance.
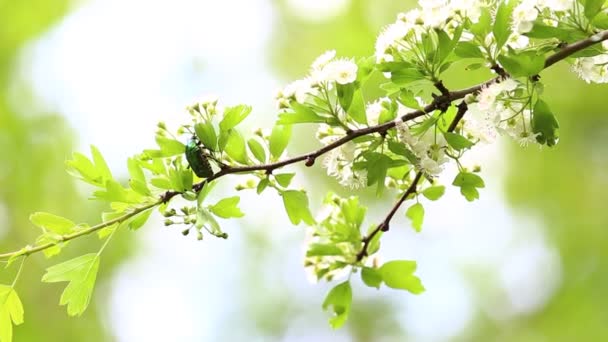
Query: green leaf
point(11, 312)
point(139, 220)
point(468, 50)
point(468, 183)
point(357, 108)
point(114, 192)
point(323, 249)
point(545, 124)
point(593, 7)
point(233, 116)
point(204, 218)
point(81, 273)
point(502, 24)
point(284, 179)
point(434, 193)
point(340, 299)
point(279, 139)
point(206, 134)
point(262, 185)
point(227, 208)
point(296, 206)
point(235, 147)
point(416, 214)
point(257, 150)
point(170, 147)
point(371, 277)
point(399, 274)
point(301, 114)
point(377, 167)
point(543, 31)
point(80, 166)
point(135, 170)
point(457, 141)
point(524, 64)
point(56, 224)
point(100, 163)
point(345, 94)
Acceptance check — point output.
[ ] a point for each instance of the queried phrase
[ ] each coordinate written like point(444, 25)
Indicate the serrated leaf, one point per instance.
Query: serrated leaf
point(544, 123)
point(399, 274)
point(279, 139)
point(284, 179)
point(11, 312)
point(80, 166)
point(296, 206)
point(227, 208)
point(434, 192)
point(468, 183)
point(135, 170)
point(139, 220)
point(56, 224)
point(371, 277)
point(100, 163)
point(457, 141)
point(416, 214)
point(206, 134)
point(81, 273)
point(257, 150)
point(233, 116)
point(323, 249)
point(339, 298)
point(524, 64)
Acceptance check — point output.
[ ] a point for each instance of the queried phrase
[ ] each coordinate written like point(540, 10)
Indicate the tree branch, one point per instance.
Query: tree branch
point(440, 101)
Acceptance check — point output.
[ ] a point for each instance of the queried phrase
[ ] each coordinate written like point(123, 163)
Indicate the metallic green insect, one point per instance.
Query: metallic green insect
point(197, 159)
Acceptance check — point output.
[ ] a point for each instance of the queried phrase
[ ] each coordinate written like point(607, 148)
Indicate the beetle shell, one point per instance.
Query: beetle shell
point(197, 160)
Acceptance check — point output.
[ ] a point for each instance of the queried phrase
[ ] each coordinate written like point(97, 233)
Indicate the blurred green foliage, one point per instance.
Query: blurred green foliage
point(34, 146)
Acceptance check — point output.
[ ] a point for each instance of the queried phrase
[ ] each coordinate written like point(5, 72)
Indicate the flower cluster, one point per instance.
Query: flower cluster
point(326, 71)
point(593, 69)
point(339, 162)
point(500, 108)
point(429, 148)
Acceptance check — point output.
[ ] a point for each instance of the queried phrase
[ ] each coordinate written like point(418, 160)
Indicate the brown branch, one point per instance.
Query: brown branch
point(384, 225)
point(439, 102)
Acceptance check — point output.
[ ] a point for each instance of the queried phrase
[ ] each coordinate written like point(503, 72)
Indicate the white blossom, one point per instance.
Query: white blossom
point(341, 71)
point(592, 69)
point(323, 60)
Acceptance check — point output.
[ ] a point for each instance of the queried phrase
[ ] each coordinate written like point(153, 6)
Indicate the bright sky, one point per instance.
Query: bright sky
point(116, 67)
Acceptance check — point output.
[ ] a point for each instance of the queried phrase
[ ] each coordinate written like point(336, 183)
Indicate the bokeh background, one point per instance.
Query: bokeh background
point(527, 262)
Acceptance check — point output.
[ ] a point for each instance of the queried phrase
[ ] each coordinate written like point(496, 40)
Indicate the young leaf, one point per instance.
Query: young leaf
point(296, 206)
point(468, 183)
point(139, 220)
point(100, 163)
point(468, 50)
point(524, 64)
point(457, 141)
point(206, 134)
point(301, 114)
point(416, 214)
point(204, 218)
point(371, 277)
point(345, 94)
point(340, 299)
point(284, 179)
point(80, 166)
point(279, 138)
point(11, 312)
point(170, 147)
point(545, 124)
point(257, 149)
point(233, 116)
point(593, 7)
point(502, 24)
point(262, 185)
point(81, 273)
point(357, 108)
point(53, 223)
point(235, 147)
point(399, 274)
point(227, 208)
point(434, 193)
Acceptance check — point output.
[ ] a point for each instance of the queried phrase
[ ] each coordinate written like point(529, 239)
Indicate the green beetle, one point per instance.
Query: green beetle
point(197, 159)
